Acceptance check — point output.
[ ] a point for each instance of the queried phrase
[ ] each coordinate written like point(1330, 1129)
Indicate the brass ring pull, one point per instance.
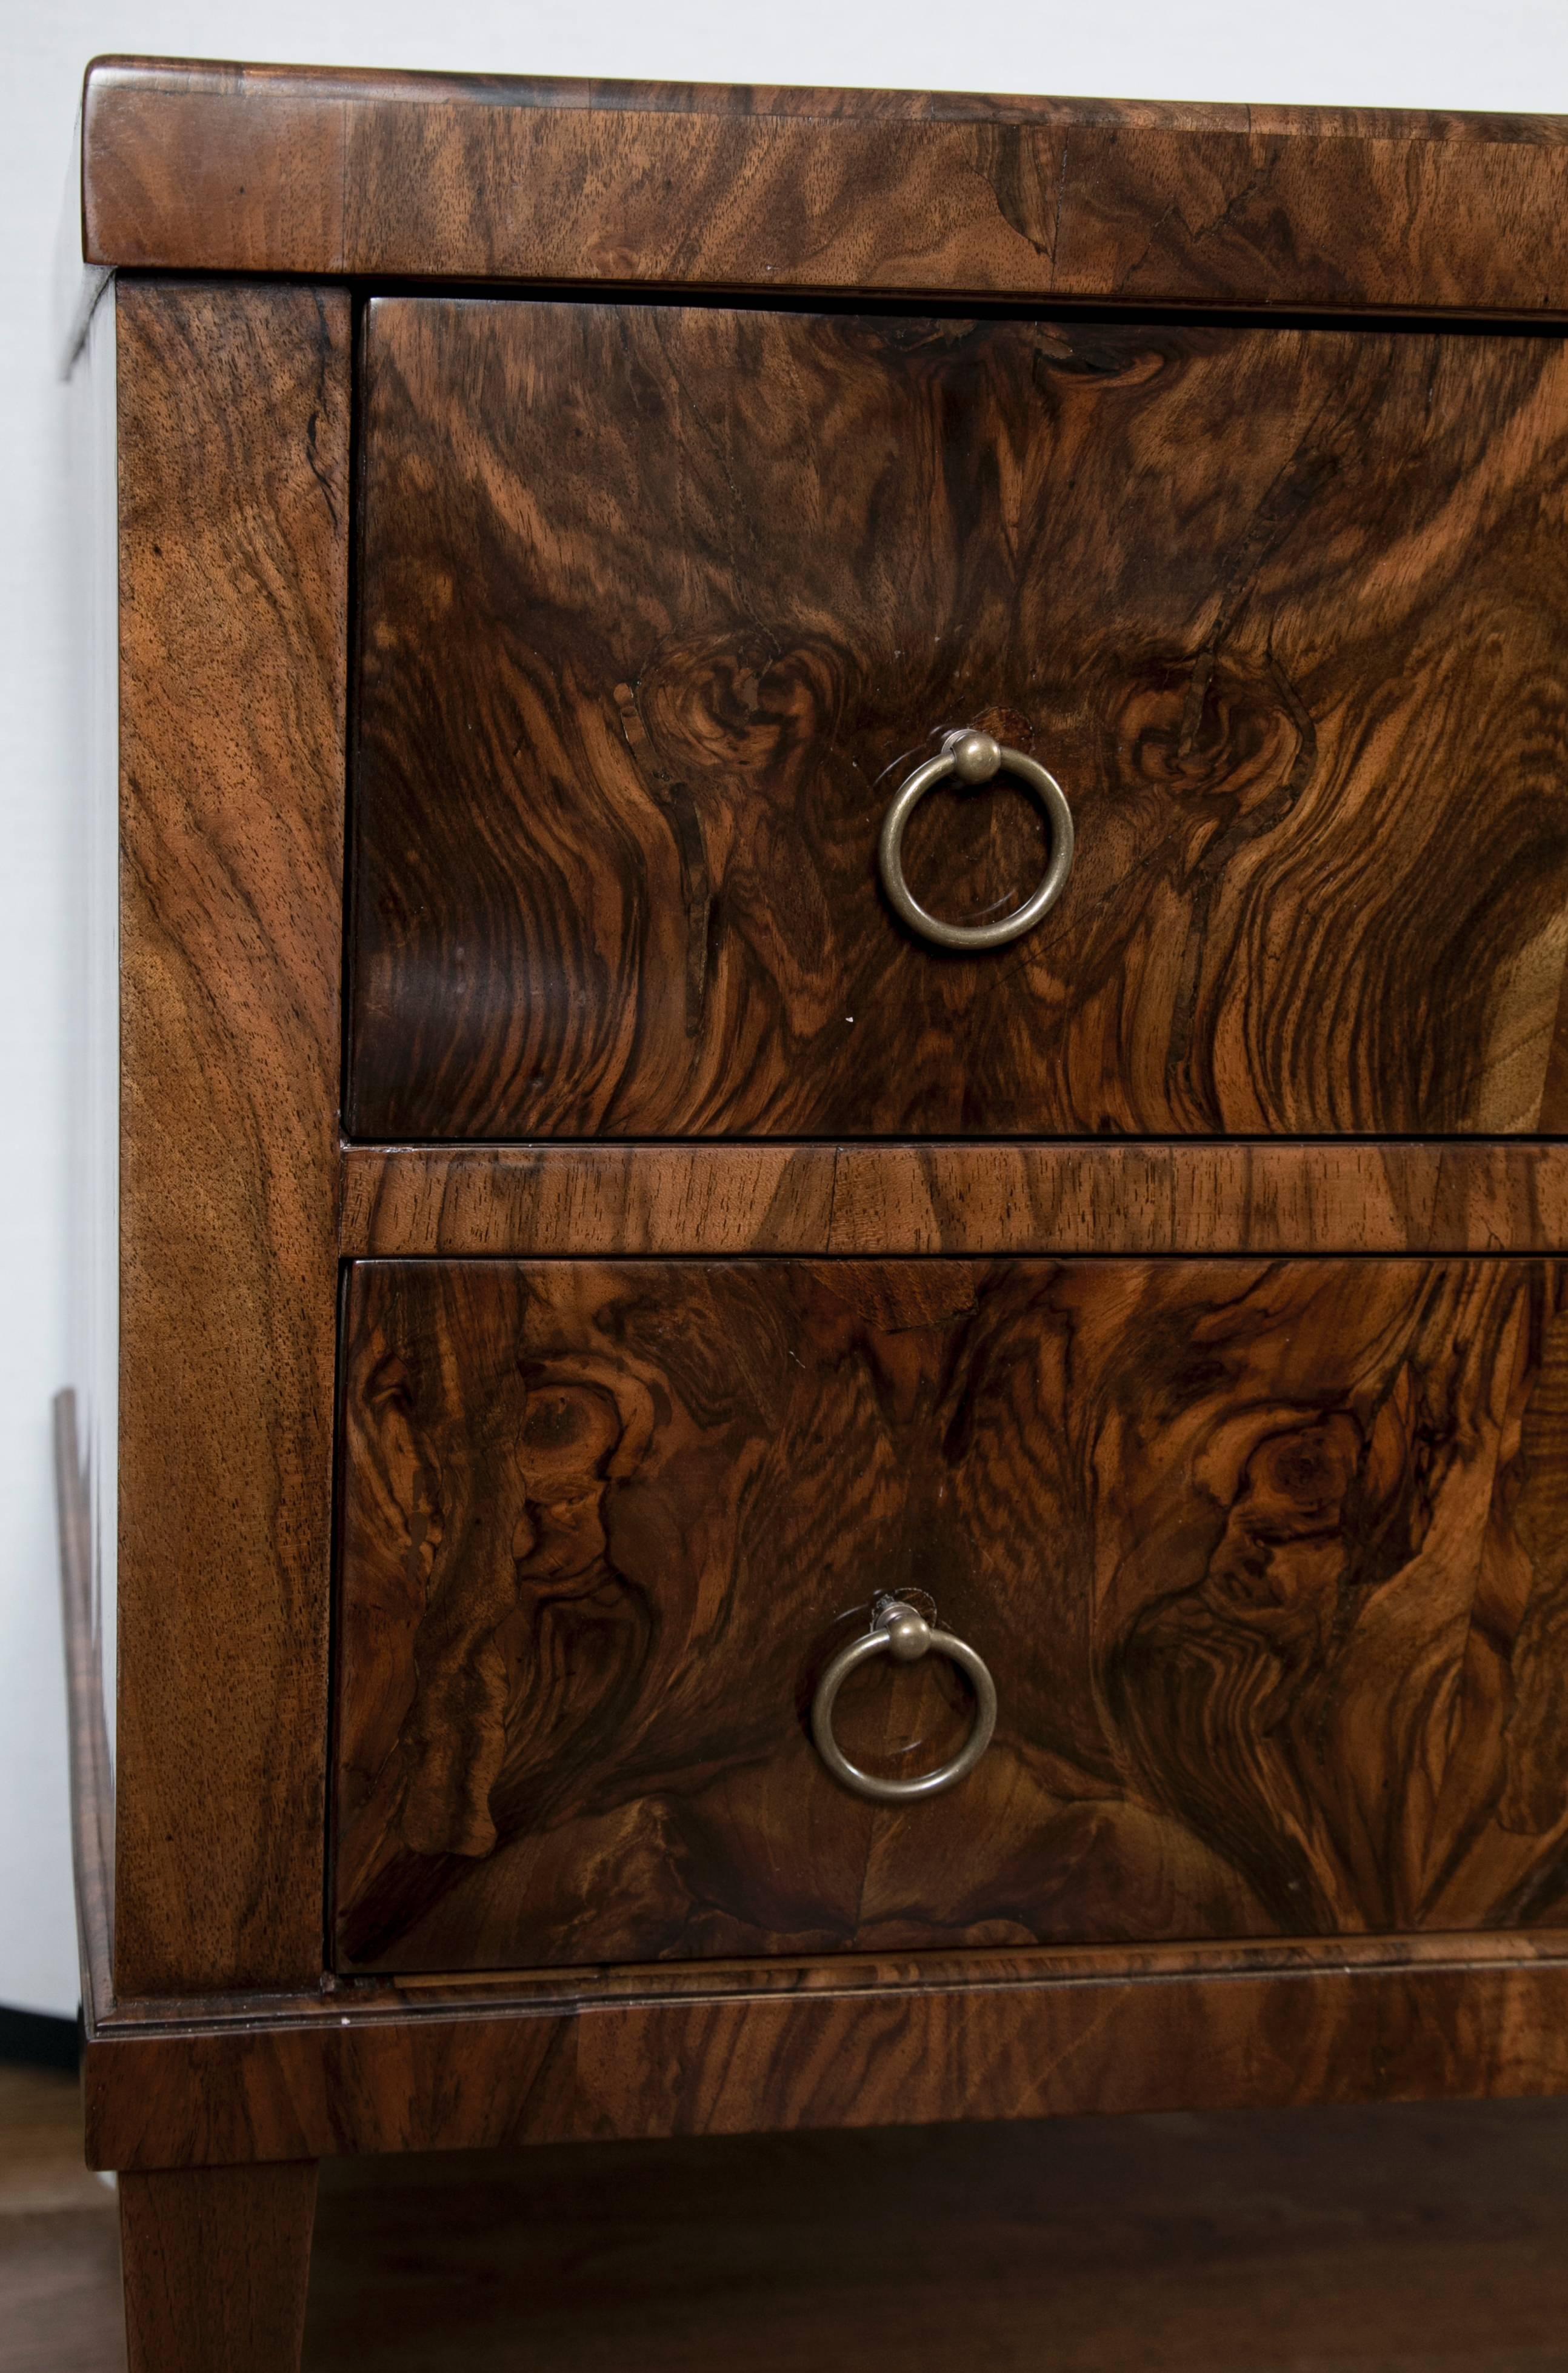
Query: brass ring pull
point(899, 1631)
point(976, 758)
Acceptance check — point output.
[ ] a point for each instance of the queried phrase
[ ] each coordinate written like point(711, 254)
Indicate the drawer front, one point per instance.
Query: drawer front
point(660, 605)
point(1268, 1561)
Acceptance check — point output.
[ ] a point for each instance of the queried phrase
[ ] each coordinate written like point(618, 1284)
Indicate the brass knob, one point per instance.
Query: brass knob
point(900, 1632)
point(976, 758)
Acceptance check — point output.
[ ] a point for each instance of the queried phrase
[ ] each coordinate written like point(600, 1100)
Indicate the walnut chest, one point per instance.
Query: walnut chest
point(831, 1260)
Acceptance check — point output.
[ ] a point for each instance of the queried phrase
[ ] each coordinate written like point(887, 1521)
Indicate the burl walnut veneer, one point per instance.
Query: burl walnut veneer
point(583, 1272)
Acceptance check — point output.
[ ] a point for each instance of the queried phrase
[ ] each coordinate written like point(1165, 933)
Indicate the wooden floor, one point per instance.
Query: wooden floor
point(1364, 2241)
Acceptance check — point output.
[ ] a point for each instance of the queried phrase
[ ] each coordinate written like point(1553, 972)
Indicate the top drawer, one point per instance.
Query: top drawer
point(660, 604)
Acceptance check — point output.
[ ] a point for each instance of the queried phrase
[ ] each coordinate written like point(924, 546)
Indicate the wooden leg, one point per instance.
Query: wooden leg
point(215, 2261)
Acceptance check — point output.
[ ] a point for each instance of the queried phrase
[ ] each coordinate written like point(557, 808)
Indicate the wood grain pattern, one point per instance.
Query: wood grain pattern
point(234, 505)
point(414, 1200)
point(213, 168)
point(639, 676)
point(1266, 1557)
point(215, 2263)
point(424, 2081)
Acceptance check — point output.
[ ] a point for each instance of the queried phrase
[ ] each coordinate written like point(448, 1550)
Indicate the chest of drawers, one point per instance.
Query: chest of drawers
point(832, 1336)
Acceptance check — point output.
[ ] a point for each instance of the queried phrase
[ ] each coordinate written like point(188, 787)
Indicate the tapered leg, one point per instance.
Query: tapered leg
point(216, 2262)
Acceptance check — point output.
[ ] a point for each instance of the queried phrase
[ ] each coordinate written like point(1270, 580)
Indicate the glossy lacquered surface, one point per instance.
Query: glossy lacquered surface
point(660, 604)
point(1198, 1197)
point(1266, 1559)
point(189, 166)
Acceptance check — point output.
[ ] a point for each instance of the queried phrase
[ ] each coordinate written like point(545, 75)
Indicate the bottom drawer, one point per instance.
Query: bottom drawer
point(1268, 1559)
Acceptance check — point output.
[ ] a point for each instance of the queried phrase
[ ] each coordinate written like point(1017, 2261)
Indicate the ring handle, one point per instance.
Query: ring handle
point(976, 758)
point(899, 1631)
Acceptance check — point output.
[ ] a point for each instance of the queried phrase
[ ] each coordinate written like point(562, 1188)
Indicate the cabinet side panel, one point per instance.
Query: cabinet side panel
point(233, 412)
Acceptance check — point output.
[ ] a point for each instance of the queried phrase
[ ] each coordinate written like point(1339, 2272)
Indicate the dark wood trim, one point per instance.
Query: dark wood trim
point(234, 407)
point(92, 1783)
point(195, 166)
point(1196, 1198)
point(405, 1200)
point(335, 2082)
point(199, 78)
point(846, 1973)
point(512, 1993)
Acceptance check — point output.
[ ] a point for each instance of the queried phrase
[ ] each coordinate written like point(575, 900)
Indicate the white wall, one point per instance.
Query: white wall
point(1440, 54)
